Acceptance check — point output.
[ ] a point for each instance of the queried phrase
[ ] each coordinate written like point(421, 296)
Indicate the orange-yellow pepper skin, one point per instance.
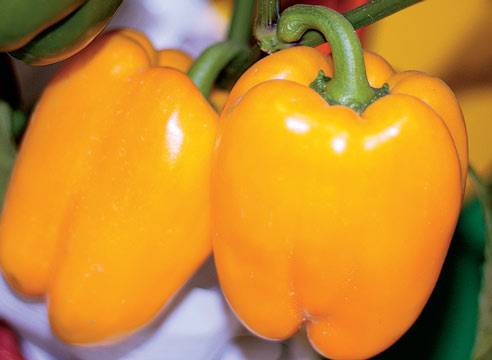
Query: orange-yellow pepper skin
point(326, 217)
point(180, 60)
point(173, 58)
point(108, 208)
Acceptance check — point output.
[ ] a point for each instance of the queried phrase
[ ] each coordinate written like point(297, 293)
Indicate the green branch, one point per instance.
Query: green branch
point(375, 10)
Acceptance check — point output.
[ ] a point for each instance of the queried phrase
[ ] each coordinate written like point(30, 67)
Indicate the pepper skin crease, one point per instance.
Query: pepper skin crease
point(329, 218)
point(108, 209)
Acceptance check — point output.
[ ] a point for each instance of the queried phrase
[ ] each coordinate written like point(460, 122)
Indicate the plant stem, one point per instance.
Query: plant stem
point(267, 15)
point(241, 22)
point(349, 85)
point(210, 63)
point(359, 17)
point(238, 66)
point(267, 18)
point(376, 10)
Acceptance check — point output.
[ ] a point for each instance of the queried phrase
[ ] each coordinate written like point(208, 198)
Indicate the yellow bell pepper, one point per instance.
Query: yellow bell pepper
point(334, 203)
point(107, 211)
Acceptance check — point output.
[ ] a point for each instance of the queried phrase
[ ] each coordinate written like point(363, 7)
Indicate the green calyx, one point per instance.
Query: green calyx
point(349, 86)
point(320, 84)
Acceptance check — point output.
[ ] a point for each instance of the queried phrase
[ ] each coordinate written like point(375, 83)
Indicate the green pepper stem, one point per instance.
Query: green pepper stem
point(210, 63)
point(238, 66)
point(265, 30)
point(242, 21)
point(376, 10)
point(349, 85)
point(267, 14)
point(361, 16)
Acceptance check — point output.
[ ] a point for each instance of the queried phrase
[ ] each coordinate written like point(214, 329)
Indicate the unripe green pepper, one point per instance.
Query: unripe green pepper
point(69, 36)
point(41, 32)
point(22, 20)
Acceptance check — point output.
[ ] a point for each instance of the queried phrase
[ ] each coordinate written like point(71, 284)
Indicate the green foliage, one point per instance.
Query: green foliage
point(483, 345)
point(7, 146)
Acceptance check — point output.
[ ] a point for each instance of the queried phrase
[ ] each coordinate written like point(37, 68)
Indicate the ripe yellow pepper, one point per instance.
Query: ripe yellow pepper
point(107, 211)
point(337, 210)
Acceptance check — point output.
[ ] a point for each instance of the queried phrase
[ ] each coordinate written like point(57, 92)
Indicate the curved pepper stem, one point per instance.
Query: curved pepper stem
point(210, 63)
point(207, 67)
point(268, 15)
point(349, 86)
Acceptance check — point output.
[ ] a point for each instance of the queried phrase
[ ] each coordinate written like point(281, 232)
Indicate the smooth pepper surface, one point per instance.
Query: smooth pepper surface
point(107, 213)
point(22, 20)
point(70, 35)
point(326, 217)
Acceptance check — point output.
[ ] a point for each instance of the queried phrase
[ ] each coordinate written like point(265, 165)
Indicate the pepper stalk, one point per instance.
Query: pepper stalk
point(268, 14)
point(207, 67)
point(265, 31)
point(349, 86)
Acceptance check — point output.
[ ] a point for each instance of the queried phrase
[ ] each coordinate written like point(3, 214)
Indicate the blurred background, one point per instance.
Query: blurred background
point(447, 39)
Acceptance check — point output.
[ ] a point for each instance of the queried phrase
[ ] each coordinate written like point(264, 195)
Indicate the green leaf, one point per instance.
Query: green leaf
point(19, 123)
point(483, 345)
point(7, 147)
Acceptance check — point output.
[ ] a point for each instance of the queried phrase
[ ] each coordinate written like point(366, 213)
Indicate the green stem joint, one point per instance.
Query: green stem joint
point(349, 86)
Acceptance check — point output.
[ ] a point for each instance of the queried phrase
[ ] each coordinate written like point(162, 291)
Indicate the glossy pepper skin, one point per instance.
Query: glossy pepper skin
point(447, 327)
point(107, 212)
point(326, 217)
point(22, 20)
